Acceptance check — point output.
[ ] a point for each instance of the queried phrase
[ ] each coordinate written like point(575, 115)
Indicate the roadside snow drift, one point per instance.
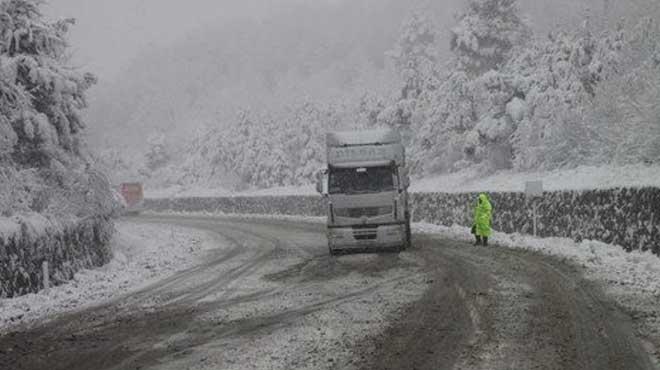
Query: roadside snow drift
point(143, 253)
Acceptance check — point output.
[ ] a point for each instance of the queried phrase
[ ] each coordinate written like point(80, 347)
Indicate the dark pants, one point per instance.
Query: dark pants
point(481, 240)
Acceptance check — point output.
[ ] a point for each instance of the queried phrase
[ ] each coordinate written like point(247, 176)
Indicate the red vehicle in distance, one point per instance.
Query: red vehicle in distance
point(133, 194)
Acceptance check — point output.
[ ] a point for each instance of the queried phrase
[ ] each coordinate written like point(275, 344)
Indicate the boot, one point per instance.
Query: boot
point(478, 242)
point(485, 241)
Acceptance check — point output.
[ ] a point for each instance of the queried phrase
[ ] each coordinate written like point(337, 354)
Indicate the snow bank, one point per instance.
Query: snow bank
point(142, 254)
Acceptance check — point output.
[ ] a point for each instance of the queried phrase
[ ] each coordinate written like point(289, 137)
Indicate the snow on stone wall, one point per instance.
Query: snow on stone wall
point(260, 205)
point(628, 217)
point(67, 245)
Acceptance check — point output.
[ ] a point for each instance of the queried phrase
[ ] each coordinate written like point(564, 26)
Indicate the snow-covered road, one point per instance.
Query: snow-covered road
point(269, 297)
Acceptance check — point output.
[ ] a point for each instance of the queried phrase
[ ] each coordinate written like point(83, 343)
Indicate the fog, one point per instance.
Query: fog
point(109, 34)
point(162, 63)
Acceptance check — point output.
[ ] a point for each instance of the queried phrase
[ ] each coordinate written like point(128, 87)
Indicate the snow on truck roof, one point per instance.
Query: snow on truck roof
point(354, 138)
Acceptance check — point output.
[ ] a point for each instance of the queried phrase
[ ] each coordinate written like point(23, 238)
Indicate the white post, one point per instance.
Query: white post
point(533, 192)
point(44, 267)
point(534, 216)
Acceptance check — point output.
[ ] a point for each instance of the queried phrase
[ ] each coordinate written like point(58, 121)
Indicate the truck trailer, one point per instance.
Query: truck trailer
point(133, 194)
point(365, 186)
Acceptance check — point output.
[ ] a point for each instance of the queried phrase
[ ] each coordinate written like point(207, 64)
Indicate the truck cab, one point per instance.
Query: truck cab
point(365, 186)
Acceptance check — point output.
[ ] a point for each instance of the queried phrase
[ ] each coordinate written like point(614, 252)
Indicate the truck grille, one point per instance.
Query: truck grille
point(366, 234)
point(363, 212)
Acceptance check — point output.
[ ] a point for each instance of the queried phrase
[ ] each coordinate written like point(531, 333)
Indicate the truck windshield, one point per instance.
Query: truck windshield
point(361, 180)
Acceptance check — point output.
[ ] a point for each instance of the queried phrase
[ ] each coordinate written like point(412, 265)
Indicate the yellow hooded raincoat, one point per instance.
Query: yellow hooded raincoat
point(483, 215)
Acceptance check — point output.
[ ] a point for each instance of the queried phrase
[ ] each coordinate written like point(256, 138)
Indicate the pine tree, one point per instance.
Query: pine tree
point(626, 110)
point(157, 155)
point(415, 54)
point(41, 96)
point(486, 34)
point(558, 79)
point(33, 57)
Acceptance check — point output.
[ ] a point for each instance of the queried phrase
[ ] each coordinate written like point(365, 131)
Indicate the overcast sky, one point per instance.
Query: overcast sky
point(108, 34)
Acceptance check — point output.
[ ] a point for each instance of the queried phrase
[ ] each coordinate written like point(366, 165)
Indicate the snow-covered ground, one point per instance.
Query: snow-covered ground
point(143, 254)
point(585, 177)
point(606, 262)
point(631, 279)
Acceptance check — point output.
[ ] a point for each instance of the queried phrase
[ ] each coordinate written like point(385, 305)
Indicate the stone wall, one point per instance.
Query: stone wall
point(626, 217)
point(67, 247)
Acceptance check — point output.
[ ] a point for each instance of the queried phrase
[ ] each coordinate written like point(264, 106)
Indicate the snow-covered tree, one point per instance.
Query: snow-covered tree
point(157, 154)
point(443, 118)
point(486, 34)
point(33, 58)
point(41, 96)
point(525, 110)
point(557, 80)
point(626, 112)
point(415, 59)
point(415, 54)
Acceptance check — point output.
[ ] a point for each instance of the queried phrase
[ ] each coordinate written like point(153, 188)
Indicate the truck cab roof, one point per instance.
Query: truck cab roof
point(366, 137)
point(365, 148)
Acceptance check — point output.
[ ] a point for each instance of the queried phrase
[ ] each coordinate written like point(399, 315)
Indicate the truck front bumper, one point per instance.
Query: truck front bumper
point(360, 237)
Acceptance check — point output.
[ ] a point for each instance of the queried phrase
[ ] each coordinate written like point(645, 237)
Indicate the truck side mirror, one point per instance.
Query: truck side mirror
point(321, 180)
point(319, 183)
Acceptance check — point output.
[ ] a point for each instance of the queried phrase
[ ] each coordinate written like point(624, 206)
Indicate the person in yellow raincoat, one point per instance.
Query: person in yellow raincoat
point(483, 216)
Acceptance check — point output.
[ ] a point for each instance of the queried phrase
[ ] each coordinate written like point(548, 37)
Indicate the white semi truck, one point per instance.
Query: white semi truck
point(366, 188)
